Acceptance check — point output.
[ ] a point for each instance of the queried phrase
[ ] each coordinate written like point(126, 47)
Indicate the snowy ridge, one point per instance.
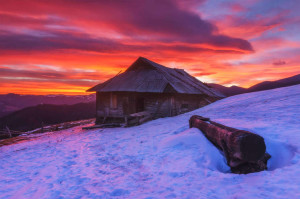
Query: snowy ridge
point(162, 158)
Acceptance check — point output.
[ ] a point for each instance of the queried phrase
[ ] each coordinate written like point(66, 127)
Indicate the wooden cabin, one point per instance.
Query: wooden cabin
point(150, 90)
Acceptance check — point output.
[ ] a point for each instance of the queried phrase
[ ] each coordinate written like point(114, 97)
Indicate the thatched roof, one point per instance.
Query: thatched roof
point(149, 77)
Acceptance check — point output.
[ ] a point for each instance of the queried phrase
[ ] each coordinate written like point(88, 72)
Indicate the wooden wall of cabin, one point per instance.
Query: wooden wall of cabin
point(119, 104)
point(108, 105)
point(127, 103)
point(165, 105)
point(185, 103)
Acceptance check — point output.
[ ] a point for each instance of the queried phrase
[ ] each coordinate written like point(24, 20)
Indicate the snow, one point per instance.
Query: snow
point(162, 158)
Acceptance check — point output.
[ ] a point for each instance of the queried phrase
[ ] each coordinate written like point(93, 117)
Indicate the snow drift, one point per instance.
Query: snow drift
point(162, 158)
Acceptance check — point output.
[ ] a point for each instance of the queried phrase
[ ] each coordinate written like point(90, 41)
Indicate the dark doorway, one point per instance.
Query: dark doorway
point(140, 104)
point(125, 107)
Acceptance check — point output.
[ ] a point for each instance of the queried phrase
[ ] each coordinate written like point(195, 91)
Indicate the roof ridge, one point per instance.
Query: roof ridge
point(165, 74)
point(154, 63)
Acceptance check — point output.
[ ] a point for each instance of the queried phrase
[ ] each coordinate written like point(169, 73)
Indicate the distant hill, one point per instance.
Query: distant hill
point(235, 90)
point(228, 91)
point(13, 102)
point(275, 84)
point(32, 117)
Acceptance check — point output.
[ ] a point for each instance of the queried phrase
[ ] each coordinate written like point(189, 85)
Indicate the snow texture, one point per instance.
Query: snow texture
point(162, 158)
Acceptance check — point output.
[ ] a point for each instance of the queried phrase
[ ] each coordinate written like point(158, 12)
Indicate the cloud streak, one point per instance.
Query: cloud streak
point(162, 21)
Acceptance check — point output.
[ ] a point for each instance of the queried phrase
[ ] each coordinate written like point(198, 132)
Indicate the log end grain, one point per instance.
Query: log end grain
point(252, 146)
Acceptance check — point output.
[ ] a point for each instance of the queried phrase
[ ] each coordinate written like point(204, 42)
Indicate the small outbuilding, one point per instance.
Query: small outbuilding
point(147, 90)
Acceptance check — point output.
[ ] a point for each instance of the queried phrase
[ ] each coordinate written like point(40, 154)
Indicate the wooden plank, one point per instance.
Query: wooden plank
point(140, 114)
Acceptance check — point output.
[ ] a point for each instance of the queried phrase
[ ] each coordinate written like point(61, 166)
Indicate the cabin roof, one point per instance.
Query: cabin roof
point(147, 76)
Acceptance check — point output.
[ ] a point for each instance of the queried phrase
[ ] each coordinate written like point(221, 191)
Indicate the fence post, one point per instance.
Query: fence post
point(8, 131)
point(42, 129)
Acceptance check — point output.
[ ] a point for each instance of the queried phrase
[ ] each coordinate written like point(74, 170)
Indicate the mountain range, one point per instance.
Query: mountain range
point(13, 102)
point(47, 114)
point(266, 85)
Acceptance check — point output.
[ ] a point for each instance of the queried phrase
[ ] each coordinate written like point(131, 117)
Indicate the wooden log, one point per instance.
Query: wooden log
point(245, 152)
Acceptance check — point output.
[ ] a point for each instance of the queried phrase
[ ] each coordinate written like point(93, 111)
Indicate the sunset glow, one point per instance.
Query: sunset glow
point(65, 47)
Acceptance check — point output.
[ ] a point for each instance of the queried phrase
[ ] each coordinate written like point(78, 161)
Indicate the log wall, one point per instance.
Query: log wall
point(158, 104)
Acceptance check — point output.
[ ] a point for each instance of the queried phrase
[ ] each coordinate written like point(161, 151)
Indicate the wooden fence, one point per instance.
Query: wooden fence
point(7, 133)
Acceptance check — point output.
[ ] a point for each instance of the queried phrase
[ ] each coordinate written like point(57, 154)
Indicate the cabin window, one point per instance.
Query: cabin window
point(113, 101)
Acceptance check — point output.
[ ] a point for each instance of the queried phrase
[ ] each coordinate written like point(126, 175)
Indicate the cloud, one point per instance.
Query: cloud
point(15, 19)
point(58, 40)
point(203, 74)
point(74, 77)
point(7, 72)
point(279, 62)
point(148, 20)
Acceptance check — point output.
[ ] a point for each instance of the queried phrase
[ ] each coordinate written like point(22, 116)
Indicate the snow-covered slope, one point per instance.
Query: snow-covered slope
point(162, 158)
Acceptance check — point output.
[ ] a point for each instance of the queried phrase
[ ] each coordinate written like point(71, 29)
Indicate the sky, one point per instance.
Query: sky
point(68, 46)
